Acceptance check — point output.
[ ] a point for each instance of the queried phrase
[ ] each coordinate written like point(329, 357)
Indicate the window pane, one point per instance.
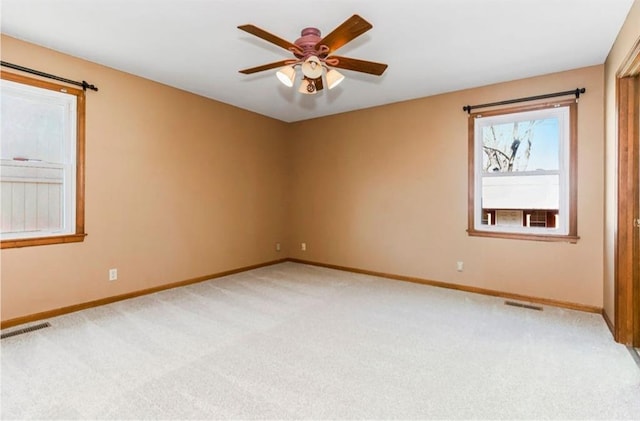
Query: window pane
point(32, 197)
point(530, 145)
point(529, 191)
point(32, 129)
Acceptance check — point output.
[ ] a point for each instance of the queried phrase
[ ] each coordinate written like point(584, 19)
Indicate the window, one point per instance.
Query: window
point(522, 172)
point(41, 162)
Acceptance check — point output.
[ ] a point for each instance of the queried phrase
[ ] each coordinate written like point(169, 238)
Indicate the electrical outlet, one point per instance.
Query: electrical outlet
point(113, 274)
point(459, 266)
point(303, 246)
point(278, 247)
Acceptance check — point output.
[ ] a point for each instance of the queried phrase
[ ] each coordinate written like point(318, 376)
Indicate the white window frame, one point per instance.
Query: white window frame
point(566, 113)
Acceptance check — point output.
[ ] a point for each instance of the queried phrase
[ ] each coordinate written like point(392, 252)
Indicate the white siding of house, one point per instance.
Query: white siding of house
point(521, 192)
point(31, 197)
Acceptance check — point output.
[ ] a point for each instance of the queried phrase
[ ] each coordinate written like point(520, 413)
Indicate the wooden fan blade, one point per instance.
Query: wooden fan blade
point(360, 65)
point(261, 33)
point(265, 67)
point(349, 30)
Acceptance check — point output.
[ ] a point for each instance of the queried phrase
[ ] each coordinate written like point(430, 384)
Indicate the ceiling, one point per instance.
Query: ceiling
point(431, 46)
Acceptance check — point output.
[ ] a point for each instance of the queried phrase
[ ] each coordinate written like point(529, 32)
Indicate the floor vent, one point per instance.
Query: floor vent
point(25, 330)
point(529, 306)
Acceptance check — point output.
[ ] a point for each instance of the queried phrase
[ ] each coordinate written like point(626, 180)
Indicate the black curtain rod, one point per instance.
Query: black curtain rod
point(82, 84)
point(575, 92)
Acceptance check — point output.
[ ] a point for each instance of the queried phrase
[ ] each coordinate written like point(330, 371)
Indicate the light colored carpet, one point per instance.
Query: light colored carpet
point(296, 341)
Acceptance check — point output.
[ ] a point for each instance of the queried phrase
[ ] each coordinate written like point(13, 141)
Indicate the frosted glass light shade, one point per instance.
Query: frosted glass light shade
point(286, 75)
point(334, 78)
point(312, 68)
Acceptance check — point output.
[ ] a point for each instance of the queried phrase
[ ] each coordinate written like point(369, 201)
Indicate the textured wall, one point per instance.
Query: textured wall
point(177, 187)
point(385, 189)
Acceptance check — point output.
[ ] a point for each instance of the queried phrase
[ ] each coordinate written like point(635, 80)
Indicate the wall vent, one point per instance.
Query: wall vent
point(529, 306)
point(25, 330)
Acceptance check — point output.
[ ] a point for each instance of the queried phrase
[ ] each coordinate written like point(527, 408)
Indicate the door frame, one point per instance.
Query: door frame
point(627, 243)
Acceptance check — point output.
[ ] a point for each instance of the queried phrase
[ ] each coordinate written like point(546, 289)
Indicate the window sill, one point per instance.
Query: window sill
point(573, 239)
point(42, 241)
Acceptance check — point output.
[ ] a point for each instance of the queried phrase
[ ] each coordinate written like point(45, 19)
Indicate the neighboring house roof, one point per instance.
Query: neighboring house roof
point(521, 191)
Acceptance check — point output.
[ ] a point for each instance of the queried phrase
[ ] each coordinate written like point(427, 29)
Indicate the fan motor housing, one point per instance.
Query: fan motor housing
point(307, 42)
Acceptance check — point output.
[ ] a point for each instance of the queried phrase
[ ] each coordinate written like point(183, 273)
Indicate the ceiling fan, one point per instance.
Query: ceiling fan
point(314, 54)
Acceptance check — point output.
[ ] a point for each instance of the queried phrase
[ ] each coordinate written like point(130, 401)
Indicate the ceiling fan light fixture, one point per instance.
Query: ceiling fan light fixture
point(312, 67)
point(307, 87)
point(286, 75)
point(313, 53)
point(334, 78)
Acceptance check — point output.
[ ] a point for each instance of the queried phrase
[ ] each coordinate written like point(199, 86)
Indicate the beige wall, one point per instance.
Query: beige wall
point(625, 41)
point(385, 189)
point(177, 187)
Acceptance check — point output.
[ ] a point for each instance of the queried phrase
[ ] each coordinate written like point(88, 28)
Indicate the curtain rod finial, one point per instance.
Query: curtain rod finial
point(86, 85)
